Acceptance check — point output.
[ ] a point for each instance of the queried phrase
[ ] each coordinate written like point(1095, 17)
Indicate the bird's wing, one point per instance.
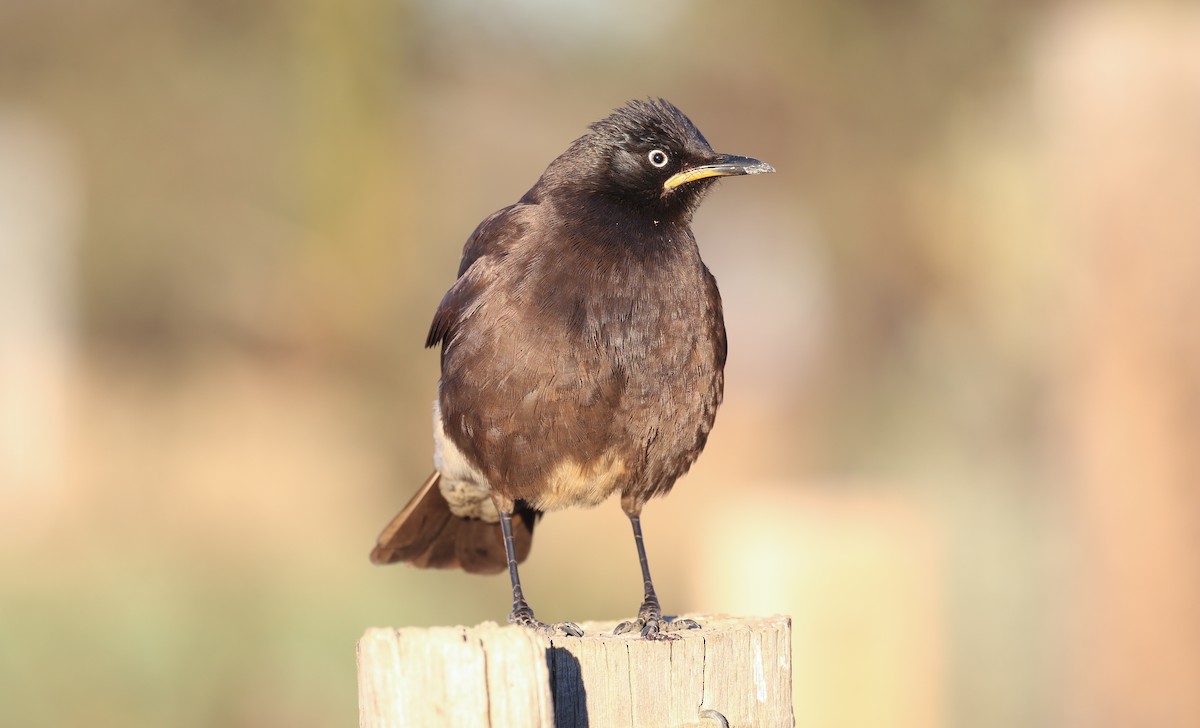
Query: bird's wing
point(487, 245)
point(490, 237)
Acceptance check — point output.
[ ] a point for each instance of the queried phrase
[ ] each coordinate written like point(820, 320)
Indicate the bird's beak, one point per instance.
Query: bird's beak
point(723, 165)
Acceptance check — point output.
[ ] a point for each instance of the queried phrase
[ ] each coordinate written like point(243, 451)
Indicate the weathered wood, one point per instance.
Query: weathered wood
point(496, 677)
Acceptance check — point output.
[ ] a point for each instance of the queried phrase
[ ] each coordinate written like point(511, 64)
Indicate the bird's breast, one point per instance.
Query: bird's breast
point(586, 374)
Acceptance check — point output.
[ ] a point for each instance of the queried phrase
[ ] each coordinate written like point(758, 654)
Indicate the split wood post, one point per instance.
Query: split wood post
point(490, 676)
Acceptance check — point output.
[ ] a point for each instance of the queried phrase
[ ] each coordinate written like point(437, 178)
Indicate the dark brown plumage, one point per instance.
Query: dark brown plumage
point(583, 349)
point(427, 535)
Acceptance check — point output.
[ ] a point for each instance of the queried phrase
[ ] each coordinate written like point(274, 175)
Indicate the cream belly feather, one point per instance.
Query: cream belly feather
point(469, 493)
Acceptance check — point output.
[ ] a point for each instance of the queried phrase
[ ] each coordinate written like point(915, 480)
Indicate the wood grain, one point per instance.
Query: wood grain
point(491, 676)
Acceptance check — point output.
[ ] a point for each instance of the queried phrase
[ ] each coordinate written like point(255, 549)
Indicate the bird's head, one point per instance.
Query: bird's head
point(649, 156)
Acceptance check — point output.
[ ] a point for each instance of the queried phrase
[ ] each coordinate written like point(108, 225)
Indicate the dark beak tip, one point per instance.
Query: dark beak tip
point(748, 165)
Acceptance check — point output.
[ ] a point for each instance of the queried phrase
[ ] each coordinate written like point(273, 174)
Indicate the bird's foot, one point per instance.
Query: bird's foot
point(654, 626)
point(523, 617)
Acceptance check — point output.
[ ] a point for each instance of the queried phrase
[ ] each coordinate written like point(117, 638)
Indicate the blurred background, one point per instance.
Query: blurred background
point(959, 444)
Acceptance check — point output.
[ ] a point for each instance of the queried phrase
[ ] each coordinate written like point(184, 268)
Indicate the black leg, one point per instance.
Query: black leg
point(522, 614)
point(650, 603)
point(650, 619)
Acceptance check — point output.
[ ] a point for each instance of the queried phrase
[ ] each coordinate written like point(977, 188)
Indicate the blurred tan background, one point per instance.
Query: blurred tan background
point(960, 438)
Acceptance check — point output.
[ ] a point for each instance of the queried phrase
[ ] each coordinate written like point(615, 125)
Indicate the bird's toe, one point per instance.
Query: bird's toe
point(676, 625)
point(569, 629)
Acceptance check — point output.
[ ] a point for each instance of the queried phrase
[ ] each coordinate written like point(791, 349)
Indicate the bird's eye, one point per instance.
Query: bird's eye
point(658, 158)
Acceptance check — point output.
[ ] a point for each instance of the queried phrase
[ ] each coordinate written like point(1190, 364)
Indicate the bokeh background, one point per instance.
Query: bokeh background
point(961, 438)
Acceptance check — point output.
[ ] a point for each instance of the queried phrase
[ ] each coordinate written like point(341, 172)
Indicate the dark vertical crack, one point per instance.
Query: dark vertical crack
point(552, 669)
point(487, 683)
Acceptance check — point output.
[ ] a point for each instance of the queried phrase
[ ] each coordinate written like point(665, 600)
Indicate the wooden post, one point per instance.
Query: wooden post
point(736, 669)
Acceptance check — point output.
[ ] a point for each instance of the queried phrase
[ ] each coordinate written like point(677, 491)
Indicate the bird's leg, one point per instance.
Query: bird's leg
point(522, 614)
point(650, 618)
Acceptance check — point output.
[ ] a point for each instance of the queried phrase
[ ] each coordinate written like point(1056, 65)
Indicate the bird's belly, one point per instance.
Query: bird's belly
point(571, 483)
point(566, 410)
point(568, 483)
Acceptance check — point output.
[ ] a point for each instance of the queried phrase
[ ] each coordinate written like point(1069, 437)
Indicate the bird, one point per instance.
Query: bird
point(583, 349)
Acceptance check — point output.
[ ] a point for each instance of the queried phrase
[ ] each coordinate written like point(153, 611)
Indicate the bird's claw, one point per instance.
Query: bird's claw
point(569, 629)
point(524, 618)
point(676, 625)
point(655, 626)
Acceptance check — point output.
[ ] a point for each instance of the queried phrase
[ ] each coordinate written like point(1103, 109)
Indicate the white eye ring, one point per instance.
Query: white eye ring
point(658, 158)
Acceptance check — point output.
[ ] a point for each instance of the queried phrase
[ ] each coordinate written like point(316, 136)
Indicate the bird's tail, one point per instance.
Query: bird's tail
point(428, 535)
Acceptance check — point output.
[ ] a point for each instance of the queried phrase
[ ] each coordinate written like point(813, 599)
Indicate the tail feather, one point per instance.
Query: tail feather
point(427, 535)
